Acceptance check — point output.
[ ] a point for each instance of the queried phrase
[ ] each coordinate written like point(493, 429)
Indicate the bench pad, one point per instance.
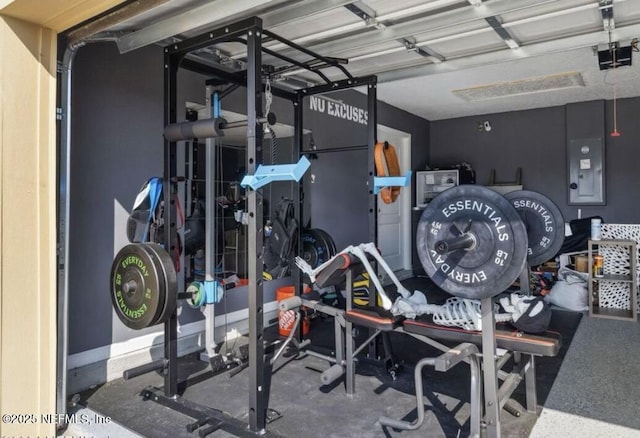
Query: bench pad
point(376, 319)
point(545, 344)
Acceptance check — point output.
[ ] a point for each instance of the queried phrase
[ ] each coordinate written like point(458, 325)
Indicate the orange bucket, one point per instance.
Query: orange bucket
point(287, 319)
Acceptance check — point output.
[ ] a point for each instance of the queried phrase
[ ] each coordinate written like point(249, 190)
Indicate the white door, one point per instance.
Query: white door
point(394, 220)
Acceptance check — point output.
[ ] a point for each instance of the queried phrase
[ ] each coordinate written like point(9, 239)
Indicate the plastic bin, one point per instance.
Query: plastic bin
point(287, 319)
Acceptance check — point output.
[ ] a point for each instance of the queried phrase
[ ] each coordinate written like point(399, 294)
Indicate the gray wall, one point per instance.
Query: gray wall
point(116, 145)
point(112, 154)
point(535, 140)
point(338, 199)
point(117, 121)
point(622, 156)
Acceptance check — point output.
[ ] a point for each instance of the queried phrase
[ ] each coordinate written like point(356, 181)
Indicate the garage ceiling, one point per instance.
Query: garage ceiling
point(438, 59)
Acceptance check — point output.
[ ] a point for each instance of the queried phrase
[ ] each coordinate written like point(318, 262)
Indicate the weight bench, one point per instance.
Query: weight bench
point(472, 243)
point(522, 347)
point(342, 268)
point(382, 325)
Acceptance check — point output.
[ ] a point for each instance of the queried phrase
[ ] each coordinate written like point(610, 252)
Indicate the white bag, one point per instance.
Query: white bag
point(570, 291)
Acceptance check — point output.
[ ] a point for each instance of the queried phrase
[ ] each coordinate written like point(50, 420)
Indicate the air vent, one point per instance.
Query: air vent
point(523, 86)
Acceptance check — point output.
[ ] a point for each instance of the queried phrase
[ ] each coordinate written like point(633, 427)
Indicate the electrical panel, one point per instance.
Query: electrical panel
point(585, 159)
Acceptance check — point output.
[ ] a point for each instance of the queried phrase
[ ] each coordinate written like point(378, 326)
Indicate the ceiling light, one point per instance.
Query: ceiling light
point(522, 86)
point(475, 2)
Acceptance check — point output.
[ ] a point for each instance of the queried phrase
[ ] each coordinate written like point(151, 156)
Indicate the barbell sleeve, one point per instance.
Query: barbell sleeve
point(270, 119)
point(129, 287)
point(464, 241)
point(208, 128)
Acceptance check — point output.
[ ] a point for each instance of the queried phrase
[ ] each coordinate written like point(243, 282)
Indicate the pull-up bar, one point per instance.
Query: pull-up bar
point(208, 128)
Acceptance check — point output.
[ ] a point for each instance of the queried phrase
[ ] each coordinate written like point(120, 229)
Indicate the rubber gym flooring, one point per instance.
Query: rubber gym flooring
point(306, 408)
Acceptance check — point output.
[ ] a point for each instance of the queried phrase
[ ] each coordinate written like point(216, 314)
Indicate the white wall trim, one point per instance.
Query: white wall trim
point(103, 364)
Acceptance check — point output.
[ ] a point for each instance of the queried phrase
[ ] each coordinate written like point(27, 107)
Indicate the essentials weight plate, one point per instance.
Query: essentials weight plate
point(143, 285)
point(499, 250)
point(543, 221)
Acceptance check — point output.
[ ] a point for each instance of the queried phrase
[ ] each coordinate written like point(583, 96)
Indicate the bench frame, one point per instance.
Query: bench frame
point(489, 394)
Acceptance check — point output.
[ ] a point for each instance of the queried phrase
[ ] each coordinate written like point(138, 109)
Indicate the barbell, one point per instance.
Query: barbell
point(474, 243)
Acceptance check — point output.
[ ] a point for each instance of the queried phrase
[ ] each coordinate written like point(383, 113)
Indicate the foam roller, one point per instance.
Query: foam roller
point(289, 303)
point(332, 374)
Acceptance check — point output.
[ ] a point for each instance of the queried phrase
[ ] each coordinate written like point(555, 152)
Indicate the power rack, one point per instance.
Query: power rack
point(250, 33)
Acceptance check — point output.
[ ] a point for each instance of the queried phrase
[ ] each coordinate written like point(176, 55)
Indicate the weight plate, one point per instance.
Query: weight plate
point(165, 266)
point(143, 285)
point(499, 249)
point(327, 240)
point(543, 221)
point(162, 285)
point(334, 250)
point(136, 285)
point(315, 250)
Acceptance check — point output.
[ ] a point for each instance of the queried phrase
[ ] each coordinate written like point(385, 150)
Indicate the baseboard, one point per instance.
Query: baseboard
point(100, 365)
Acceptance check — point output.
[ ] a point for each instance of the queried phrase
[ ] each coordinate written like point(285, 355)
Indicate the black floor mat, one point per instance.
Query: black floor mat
point(311, 410)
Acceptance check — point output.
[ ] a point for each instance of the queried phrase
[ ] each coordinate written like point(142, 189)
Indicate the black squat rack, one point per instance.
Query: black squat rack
point(251, 33)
